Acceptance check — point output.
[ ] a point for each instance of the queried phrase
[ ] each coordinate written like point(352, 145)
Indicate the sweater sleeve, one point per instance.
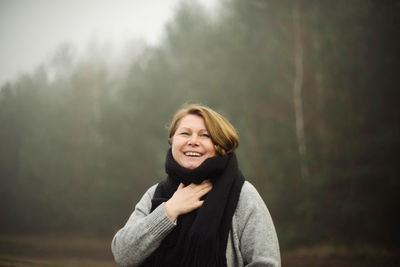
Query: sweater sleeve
point(143, 232)
point(258, 240)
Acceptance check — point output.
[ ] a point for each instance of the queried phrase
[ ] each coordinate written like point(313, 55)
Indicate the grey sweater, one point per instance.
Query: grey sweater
point(252, 240)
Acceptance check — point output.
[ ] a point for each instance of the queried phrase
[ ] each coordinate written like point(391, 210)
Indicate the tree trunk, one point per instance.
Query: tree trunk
point(297, 87)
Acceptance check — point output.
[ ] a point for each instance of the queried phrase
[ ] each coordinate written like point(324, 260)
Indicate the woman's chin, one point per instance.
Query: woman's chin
point(192, 164)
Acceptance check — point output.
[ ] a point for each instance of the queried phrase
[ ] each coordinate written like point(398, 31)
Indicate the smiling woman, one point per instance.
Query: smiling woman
point(219, 129)
point(191, 143)
point(204, 213)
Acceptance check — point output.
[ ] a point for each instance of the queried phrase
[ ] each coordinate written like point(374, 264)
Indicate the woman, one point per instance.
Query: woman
point(204, 213)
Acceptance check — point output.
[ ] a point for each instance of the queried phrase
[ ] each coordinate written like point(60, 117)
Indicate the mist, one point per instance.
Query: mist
point(310, 86)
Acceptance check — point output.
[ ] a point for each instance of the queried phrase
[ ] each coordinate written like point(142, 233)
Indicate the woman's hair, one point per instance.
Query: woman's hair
point(222, 133)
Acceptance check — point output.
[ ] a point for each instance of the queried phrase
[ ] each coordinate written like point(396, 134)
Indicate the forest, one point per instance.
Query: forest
point(311, 87)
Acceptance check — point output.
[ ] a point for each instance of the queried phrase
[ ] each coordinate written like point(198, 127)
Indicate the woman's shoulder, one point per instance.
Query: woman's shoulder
point(249, 199)
point(248, 187)
point(249, 192)
point(147, 196)
point(151, 190)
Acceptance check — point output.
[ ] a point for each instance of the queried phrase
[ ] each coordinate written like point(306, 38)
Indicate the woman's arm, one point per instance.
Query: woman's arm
point(258, 240)
point(143, 232)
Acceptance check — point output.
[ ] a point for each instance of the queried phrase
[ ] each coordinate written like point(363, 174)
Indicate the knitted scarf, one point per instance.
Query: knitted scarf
point(200, 237)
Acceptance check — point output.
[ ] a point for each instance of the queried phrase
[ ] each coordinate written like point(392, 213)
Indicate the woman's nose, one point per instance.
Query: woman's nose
point(193, 140)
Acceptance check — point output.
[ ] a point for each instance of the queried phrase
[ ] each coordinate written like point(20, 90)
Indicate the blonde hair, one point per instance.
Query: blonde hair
point(222, 133)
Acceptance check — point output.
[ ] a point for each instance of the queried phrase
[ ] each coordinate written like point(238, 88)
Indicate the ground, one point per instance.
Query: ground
point(54, 250)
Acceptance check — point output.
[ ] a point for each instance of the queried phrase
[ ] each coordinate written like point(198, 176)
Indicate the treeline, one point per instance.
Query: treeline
point(310, 85)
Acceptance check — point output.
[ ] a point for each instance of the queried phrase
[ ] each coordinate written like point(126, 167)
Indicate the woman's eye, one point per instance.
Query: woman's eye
point(184, 133)
point(205, 135)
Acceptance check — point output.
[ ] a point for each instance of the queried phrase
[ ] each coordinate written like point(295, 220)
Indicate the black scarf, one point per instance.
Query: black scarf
point(200, 237)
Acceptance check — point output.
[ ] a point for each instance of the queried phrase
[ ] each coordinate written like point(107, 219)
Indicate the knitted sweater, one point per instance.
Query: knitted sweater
point(252, 240)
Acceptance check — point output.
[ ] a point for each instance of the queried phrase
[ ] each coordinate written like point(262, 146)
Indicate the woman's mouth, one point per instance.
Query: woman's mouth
point(193, 154)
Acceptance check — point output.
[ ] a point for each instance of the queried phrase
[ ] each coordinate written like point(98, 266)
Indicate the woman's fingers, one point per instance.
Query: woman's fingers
point(186, 199)
point(181, 186)
point(202, 190)
point(199, 204)
point(199, 187)
point(205, 190)
point(197, 192)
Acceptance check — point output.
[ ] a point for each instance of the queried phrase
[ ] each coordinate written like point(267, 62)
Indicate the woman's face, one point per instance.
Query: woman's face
point(191, 143)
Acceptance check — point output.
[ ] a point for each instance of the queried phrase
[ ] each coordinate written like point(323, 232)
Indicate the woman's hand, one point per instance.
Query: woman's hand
point(186, 199)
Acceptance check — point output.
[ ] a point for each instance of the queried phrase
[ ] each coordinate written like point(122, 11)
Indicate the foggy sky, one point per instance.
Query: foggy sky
point(30, 31)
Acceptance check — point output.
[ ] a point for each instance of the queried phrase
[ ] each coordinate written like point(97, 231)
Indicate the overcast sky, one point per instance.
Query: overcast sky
point(31, 30)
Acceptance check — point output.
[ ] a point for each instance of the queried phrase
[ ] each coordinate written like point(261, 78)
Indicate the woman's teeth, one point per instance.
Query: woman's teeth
point(192, 154)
